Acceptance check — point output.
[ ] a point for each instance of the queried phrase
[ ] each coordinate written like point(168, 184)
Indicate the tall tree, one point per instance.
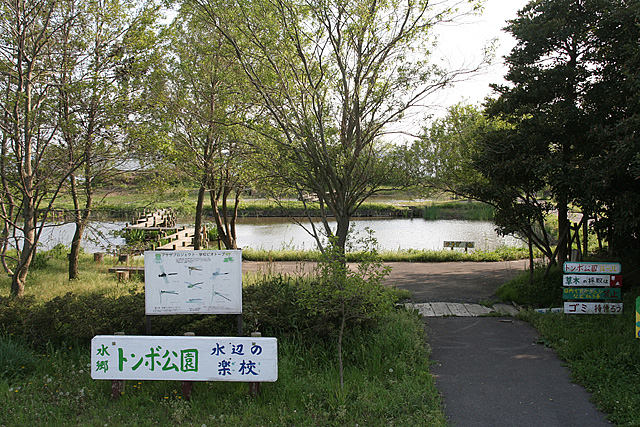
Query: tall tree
point(332, 76)
point(34, 166)
point(443, 154)
point(203, 106)
point(611, 171)
point(550, 69)
point(106, 48)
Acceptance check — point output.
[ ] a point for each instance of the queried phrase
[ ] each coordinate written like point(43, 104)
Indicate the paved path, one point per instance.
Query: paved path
point(490, 370)
point(492, 373)
point(464, 282)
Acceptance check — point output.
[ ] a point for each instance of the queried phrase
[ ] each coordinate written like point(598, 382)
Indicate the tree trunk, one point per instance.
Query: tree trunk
point(19, 277)
point(563, 231)
point(340, 339)
point(74, 254)
point(197, 236)
point(225, 223)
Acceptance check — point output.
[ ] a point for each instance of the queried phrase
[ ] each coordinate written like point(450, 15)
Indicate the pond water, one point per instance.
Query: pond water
point(281, 233)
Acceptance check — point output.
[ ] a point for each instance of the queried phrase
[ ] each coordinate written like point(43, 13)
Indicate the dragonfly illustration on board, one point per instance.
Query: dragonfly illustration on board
point(164, 275)
point(194, 268)
point(167, 292)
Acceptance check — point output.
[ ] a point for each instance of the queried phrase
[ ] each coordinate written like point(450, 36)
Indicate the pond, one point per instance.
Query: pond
point(281, 233)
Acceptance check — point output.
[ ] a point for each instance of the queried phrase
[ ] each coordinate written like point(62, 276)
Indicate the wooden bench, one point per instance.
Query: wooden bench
point(459, 244)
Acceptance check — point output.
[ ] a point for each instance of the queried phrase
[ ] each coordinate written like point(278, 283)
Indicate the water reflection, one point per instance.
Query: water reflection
point(281, 233)
point(391, 234)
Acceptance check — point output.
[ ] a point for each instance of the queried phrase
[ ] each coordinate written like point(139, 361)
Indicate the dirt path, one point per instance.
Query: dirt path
point(442, 281)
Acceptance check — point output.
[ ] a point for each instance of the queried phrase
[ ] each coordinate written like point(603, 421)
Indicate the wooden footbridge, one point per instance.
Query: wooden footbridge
point(183, 240)
point(162, 219)
point(161, 232)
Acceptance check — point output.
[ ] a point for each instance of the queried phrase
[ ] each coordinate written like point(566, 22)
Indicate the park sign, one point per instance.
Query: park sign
point(591, 293)
point(193, 282)
point(597, 282)
point(585, 267)
point(131, 357)
point(593, 307)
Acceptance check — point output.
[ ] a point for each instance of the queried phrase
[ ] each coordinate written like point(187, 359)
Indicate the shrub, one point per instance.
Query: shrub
point(544, 292)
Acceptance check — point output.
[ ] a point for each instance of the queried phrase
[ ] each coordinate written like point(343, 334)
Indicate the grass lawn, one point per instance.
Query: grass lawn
point(47, 382)
point(387, 382)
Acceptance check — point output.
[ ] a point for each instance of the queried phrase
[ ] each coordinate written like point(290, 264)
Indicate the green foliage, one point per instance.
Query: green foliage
point(340, 294)
point(445, 149)
point(273, 307)
point(474, 211)
point(42, 258)
point(387, 382)
point(544, 292)
point(17, 359)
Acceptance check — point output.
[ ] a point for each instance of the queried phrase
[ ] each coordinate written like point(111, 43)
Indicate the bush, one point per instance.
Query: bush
point(545, 292)
point(273, 307)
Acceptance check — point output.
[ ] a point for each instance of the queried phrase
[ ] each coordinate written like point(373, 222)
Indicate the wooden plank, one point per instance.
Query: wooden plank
point(457, 309)
point(441, 309)
point(591, 293)
point(593, 307)
point(477, 309)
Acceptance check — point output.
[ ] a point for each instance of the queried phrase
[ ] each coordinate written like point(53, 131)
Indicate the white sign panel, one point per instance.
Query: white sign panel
point(193, 282)
point(586, 267)
point(593, 307)
point(131, 357)
point(589, 280)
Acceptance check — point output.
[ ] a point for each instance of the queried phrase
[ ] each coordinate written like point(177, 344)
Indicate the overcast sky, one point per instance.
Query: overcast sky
point(464, 43)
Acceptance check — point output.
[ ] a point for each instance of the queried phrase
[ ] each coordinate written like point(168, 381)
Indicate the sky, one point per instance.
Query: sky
point(463, 43)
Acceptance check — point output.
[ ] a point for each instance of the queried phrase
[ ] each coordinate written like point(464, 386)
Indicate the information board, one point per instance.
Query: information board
point(132, 357)
point(193, 282)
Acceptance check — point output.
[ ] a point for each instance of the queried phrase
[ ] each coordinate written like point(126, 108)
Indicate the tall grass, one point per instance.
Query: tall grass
point(474, 211)
point(504, 253)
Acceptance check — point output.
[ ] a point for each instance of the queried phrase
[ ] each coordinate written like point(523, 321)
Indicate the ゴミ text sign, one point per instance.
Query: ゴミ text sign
point(193, 282)
point(586, 267)
point(134, 357)
point(596, 280)
point(593, 307)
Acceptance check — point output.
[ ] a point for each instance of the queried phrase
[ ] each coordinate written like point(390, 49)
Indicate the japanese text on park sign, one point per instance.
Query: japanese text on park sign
point(595, 280)
point(592, 267)
point(130, 357)
point(593, 307)
point(189, 282)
